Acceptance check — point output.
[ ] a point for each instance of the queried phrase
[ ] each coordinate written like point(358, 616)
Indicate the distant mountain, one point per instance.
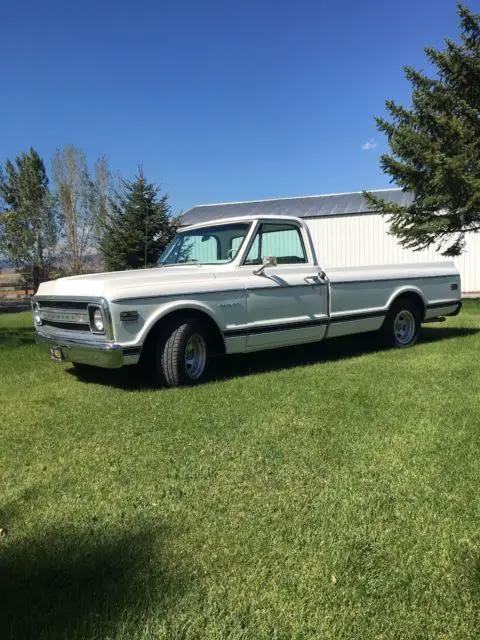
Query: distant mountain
point(5, 264)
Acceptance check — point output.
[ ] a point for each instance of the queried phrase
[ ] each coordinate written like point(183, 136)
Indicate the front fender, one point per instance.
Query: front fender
point(150, 314)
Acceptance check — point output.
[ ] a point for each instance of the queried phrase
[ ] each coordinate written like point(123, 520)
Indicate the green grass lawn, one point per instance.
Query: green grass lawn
point(321, 492)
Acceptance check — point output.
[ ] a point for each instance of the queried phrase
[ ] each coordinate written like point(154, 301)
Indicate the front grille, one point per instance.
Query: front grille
point(62, 304)
point(69, 326)
point(68, 315)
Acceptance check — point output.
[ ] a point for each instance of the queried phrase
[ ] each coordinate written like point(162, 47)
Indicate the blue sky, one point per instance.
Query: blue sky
point(218, 100)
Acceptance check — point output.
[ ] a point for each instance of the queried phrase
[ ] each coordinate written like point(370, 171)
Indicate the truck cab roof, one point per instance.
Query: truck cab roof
point(233, 219)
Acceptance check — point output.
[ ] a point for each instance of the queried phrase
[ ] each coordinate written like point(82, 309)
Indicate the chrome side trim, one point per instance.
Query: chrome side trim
point(372, 280)
point(278, 285)
point(187, 294)
point(302, 324)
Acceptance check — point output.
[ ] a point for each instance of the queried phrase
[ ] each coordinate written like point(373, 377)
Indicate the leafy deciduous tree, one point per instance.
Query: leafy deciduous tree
point(83, 203)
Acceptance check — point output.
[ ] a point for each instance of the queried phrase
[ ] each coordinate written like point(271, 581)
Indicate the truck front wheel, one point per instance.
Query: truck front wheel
point(183, 353)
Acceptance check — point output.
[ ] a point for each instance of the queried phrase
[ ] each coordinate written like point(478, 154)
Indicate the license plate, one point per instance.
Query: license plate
point(56, 354)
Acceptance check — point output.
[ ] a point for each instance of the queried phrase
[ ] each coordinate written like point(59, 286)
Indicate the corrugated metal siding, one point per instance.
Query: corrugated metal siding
point(202, 251)
point(282, 243)
point(469, 265)
point(346, 241)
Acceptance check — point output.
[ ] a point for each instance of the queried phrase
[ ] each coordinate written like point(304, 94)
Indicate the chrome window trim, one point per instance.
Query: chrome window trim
point(310, 259)
point(206, 225)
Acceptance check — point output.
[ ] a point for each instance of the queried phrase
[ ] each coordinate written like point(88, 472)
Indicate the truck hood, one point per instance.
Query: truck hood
point(130, 284)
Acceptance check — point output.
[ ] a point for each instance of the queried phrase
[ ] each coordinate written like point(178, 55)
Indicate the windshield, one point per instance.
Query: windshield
point(217, 244)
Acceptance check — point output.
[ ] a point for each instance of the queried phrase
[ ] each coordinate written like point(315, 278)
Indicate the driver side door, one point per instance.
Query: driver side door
point(287, 303)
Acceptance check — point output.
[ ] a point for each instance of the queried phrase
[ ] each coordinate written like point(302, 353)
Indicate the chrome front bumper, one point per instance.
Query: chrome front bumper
point(107, 355)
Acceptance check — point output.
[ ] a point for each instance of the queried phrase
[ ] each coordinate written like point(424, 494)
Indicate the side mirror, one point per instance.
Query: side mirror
point(267, 261)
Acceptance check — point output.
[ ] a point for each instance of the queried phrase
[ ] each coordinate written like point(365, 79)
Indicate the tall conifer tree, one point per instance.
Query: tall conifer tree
point(28, 222)
point(435, 147)
point(138, 227)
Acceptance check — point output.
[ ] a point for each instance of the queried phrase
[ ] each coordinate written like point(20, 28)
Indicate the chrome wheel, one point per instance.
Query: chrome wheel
point(195, 356)
point(404, 327)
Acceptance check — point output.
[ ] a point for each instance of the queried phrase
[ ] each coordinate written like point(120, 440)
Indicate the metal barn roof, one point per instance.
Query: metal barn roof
point(336, 204)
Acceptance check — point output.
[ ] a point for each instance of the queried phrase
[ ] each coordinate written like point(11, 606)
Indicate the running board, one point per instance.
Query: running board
point(439, 319)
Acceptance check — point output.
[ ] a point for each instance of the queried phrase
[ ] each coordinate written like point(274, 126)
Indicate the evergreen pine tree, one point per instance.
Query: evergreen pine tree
point(138, 227)
point(435, 147)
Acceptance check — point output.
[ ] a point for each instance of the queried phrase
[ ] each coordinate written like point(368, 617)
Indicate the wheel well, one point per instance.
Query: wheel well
point(218, 345)
point(414, 297)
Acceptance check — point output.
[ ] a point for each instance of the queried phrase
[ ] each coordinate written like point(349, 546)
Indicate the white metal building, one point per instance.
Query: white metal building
point(345, 232)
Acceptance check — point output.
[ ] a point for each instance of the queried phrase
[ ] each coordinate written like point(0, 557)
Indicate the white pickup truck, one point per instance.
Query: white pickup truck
point(234, 286)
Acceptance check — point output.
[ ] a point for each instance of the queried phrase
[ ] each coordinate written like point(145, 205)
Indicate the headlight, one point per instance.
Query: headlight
point(98, 320)
point(37, 318)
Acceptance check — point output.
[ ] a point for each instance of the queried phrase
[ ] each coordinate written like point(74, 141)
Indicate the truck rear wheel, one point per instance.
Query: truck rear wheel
point(182, 354)
point(402, 324)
